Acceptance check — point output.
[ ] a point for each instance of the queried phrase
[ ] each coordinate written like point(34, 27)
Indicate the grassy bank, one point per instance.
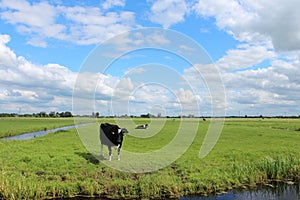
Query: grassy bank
point(11, 126)
point(249, 152)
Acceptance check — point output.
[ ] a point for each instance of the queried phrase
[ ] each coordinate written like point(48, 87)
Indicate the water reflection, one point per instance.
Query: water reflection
point(279, 192)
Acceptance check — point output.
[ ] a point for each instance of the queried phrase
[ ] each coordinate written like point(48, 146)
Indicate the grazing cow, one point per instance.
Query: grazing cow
point(111, 135)
point(144, 126)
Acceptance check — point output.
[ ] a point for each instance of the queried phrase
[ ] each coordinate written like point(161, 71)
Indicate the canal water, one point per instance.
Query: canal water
point(278, 192)
point(28, 136)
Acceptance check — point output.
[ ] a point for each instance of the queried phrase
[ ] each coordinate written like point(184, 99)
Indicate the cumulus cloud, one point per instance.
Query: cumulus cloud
point(38, 19)
point(257, 21)
point(90, 25)
point(146, 97)
point(272, 90)
point(82, 25)
point(245, 56)
point(26, 85)
point(112, 3)
point(168, 12)
point(50, 87)
point(7, 55)
point(258, 77)
point(137, 70)
point(35, 88)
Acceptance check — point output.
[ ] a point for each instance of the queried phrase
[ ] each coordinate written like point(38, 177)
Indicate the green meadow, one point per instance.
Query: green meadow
point(11, 126)
point(249, 153)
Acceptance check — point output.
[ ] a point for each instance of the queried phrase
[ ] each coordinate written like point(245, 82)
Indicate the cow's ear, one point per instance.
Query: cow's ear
point(124, 130)
point(119, 130)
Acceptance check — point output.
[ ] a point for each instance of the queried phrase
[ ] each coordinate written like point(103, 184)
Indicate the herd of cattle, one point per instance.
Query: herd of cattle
point(112, 136)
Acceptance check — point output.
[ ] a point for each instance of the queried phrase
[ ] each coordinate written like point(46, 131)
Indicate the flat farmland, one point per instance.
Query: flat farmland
point(16, 126)
point(249, 153)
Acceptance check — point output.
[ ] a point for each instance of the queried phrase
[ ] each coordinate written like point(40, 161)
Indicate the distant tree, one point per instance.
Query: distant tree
point(42, 114)
point(52, 114)
point(68, 114)
point(146, 116)
point(159, 115)
point(8, 114)
point(260, 116)
point(62, 114)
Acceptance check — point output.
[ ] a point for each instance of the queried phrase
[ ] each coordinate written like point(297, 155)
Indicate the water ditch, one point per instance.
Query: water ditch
point(27, 136)
point(280, 191)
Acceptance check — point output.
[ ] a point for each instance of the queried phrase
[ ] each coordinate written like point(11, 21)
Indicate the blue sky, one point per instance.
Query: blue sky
point(254, 50)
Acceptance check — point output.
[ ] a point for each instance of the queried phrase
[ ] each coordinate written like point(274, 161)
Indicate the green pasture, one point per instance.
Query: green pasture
point(11, 126)
point(249, 152)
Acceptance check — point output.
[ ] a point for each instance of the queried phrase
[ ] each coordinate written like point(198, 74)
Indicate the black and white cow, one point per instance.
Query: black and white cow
point(144, 126)
point(111, 135)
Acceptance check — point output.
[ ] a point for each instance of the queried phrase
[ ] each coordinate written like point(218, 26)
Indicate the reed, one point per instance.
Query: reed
point(280, 168)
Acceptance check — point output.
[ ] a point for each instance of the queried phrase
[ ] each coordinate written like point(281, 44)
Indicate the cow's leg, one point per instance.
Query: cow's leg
point(101, 151)
point(119, 149)
point(109, 152)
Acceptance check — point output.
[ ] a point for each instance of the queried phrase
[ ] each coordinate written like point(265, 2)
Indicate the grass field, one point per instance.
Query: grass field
point(249, 152)
point(15, 126)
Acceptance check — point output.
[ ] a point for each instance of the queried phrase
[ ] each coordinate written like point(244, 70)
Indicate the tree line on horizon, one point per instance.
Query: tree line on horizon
point(39, 114)
point(65, 114)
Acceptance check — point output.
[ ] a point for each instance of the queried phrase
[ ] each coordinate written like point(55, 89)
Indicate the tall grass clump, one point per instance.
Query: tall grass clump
point(3, 192)
point(280, 168)
point(266, 170)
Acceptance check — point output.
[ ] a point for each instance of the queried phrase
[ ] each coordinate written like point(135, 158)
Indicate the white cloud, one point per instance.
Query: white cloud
point(137, 70)
point(38, 42)
point(157, 38)
point(7, 56)
point(146, 97)
point(91, 25)
point(186, 48)
point(35, 15)
point(38, 19)
point(257, 21)
point(168, 12)
point(81, 25)
point(112, 3)
point(271, 90)
point(129, 41)
point(35, 88)
point(29, 86)
point(245, 56)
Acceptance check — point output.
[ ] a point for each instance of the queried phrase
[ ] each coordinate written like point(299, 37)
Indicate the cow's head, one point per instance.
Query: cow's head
point(121, 133)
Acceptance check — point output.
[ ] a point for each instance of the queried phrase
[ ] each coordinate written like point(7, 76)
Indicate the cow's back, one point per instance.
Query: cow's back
point(108, 134)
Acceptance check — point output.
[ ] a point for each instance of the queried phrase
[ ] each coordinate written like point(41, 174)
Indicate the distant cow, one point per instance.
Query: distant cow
point(144, 126)
point(111, 135)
